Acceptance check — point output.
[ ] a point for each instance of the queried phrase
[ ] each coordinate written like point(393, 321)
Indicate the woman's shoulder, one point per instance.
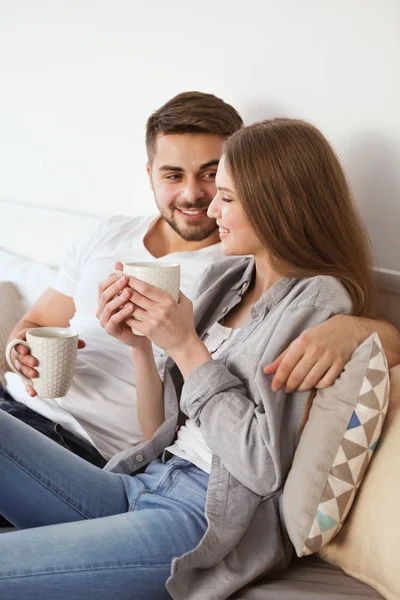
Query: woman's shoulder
point(224, 272)
point(323, 291)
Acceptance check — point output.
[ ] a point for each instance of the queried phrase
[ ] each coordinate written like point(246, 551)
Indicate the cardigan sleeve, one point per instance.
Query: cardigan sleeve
point(249, 429)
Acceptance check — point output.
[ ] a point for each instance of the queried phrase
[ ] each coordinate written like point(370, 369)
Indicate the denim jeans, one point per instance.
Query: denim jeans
point(54, 431)
point(86, 533)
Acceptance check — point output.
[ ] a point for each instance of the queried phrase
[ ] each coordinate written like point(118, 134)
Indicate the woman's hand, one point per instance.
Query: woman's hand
point(167, 323)
point(115, 307)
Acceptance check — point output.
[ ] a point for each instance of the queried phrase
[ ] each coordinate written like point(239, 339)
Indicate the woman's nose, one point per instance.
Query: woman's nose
point(213, 210)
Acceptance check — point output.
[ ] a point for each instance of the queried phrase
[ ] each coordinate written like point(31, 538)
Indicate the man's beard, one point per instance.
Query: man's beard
point(194, 231)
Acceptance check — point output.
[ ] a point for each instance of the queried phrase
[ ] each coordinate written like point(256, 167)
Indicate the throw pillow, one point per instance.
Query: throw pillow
point(367, 547)
point(11, 311)
point(334, 450)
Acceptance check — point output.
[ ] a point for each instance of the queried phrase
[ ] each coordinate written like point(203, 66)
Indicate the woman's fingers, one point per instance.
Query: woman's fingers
point(114, 305)
point(149, 291)
point(109, 288)
point(114, 323)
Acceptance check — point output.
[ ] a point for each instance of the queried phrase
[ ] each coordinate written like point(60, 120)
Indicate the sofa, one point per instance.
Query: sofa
point(361, 561)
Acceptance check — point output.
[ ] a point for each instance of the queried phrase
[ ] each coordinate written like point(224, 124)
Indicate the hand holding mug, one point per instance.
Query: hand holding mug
point(25, 363)
point(115, 308)
point(46, 360)
point(157, 315)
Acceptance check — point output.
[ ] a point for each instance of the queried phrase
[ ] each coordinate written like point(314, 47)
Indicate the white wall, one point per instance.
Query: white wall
point(78, 79)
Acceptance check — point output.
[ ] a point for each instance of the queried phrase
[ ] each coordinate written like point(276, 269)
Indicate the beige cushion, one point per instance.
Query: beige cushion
point(368, 546)
point(11, 311)
point(334, 450)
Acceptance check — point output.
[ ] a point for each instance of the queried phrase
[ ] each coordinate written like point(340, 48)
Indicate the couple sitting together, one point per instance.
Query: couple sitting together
point(196, 422)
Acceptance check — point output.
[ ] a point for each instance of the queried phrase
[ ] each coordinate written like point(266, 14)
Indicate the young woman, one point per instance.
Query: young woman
point(194, 512)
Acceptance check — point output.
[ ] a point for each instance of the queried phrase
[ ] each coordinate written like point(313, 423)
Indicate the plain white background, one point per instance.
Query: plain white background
point(79, 78)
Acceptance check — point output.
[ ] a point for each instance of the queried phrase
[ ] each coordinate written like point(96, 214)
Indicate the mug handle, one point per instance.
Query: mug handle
point(9, 348)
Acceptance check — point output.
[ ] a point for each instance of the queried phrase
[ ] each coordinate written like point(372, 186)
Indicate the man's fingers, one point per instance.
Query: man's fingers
point(313, 375)
point(293, 356)
point(330, 376)
point(21, 350)
point(28, 372)
point(30, 390)
point(24, 359)
point(272, 367)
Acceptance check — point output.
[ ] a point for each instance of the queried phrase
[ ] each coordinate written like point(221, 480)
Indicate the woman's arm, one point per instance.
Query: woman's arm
point(149, 390)
point(114, 311)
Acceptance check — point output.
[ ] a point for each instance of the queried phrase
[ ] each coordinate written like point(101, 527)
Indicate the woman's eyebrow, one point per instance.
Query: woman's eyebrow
point(225, 189)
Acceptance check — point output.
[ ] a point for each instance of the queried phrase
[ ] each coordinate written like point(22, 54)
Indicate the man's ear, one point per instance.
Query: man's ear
point(148, 169)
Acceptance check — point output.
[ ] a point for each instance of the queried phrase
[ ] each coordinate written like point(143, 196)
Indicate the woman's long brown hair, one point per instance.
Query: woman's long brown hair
point(295, 195)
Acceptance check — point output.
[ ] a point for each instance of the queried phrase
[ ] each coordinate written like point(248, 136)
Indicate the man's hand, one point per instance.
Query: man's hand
point(25, 362)
point(318, 356)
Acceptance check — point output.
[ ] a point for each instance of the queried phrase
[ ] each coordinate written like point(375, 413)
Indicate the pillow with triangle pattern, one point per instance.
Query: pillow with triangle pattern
point(335, 448)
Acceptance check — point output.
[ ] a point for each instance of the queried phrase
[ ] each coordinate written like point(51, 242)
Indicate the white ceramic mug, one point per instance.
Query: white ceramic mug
point(163, 275)
point(55, 349)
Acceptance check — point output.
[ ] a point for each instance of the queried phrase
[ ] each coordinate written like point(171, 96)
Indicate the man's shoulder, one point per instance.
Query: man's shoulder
point(118, 227)
point(122, 223)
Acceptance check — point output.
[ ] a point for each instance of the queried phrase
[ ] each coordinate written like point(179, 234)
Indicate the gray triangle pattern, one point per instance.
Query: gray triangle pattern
point(328, 493)
point(375, 377)
point(370, 400)
point(370, 427)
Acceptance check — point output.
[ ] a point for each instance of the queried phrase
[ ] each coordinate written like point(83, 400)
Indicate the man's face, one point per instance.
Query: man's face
point(182, 176)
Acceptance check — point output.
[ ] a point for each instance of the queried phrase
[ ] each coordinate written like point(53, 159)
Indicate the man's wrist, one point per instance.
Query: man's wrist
point(356, 326)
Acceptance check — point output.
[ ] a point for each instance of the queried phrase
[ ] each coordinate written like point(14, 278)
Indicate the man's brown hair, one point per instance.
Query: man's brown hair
point(192, 112)
point(294, 192)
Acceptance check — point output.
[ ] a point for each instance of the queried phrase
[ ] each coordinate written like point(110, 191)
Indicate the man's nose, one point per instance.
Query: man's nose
point(192, 191)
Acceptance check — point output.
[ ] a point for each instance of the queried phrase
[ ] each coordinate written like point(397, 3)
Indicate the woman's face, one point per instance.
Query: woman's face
point(237, 235)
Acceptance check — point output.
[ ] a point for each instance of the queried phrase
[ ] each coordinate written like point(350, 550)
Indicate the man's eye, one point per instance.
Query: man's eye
point(173, 177)
point(210, 175)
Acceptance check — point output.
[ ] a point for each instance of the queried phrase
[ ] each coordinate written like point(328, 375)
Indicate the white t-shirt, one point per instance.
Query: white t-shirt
point(101, 403)
point(190, 443)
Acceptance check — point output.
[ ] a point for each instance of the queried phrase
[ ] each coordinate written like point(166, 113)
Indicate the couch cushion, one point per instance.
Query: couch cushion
point(335, 448)
point(30, 277)
point(11, 311)
point(308, 578)
point(368, 545)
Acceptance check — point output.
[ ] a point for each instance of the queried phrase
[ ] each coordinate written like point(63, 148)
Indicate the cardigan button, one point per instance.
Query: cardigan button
point(139, 458)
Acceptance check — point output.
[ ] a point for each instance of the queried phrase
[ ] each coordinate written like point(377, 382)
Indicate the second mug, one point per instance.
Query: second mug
point(55, 349)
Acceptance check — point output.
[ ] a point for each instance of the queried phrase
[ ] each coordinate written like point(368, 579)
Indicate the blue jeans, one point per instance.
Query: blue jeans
point(86, 533)
point(52, 430)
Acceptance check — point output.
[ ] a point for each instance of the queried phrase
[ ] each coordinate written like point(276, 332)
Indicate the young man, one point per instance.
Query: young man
point(98, 417)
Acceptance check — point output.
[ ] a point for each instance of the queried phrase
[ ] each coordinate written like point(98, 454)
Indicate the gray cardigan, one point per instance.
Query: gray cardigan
point(251, 431)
